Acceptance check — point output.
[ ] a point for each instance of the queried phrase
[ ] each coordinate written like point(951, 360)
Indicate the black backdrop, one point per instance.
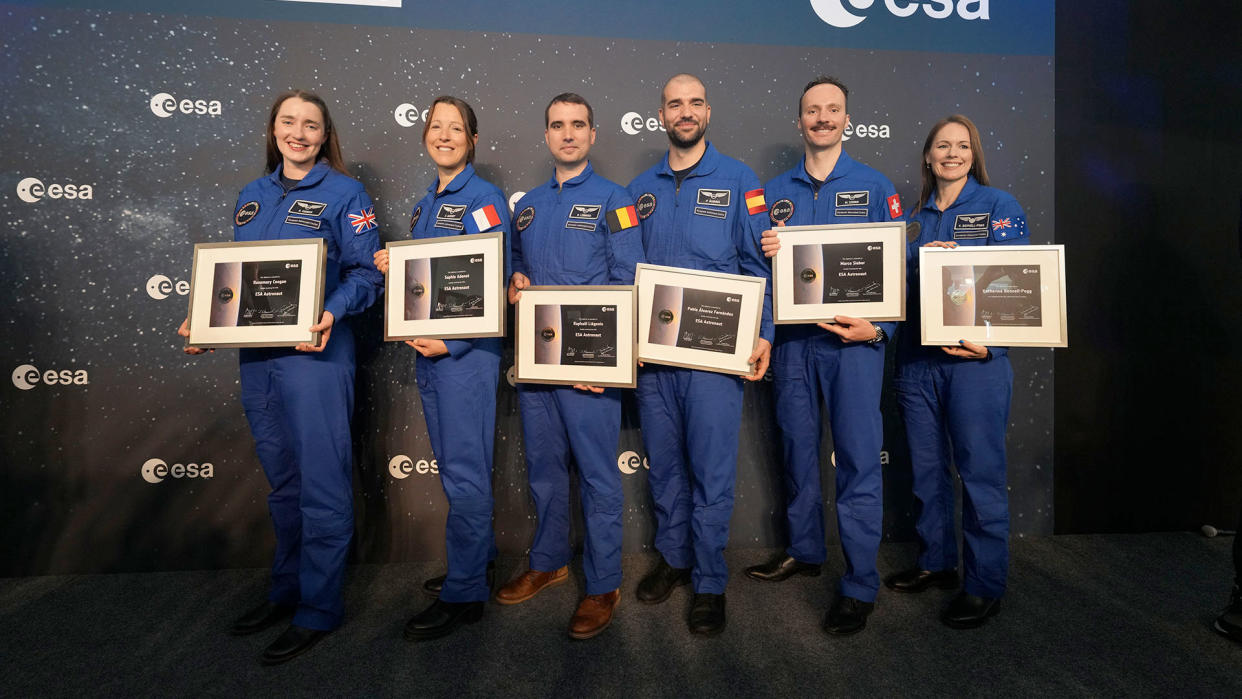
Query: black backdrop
point(1149, 173)
point(93, 281)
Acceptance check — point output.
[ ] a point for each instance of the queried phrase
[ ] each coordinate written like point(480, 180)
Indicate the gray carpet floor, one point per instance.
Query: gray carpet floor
point(1102, 615)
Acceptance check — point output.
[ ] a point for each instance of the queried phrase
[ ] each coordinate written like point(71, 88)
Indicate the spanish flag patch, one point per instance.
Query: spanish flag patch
point(621, 219)
point(755, 203)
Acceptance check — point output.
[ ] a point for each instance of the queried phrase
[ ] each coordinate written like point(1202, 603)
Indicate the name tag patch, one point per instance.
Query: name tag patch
point(971, 226)
point(714, 213)
point(714, 197)
point(302, 221)
point(450, 216)
point(580, 225)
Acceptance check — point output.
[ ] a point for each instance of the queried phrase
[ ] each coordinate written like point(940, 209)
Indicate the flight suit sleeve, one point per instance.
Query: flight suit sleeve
point(1008, 227)
point(752, 220)
point(887, 207)
point(358, 240)
point(488, 213)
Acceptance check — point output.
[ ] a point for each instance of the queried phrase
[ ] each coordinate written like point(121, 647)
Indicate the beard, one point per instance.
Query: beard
point(688, 142)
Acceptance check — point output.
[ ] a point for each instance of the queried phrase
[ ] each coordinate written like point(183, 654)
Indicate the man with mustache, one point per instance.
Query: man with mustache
point(840, 363)
point(701, 210)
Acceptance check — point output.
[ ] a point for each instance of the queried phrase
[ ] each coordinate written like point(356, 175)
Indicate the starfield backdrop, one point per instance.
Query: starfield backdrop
point(128, 129)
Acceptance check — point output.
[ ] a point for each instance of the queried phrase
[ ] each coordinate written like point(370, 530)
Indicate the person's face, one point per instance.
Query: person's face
point(569, 133)
point(823, 119)
point(299, 133)
point(950, 156)
point(685, 112)
point(448, 139)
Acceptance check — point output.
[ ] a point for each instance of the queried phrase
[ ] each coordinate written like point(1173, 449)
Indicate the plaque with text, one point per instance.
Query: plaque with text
point(856, 270)
point(996, 295)
point(576, 335)
point(257, 293)
point(449, 287)
point(698, 320)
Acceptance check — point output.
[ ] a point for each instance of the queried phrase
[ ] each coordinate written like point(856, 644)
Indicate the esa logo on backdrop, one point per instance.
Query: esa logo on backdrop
point(164, 105)
point(160, 287)
point(32, 189)
point(629, 462)
point(838, 14)
point(400, 467)
point(634, 123)
point(156, 470)
point(406, 114)
point(27, 376)
point(853, 130)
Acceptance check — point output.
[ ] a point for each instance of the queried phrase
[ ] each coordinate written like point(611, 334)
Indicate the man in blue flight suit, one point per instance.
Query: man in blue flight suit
point(700, 210)
point(576, 228)
point(843, 367)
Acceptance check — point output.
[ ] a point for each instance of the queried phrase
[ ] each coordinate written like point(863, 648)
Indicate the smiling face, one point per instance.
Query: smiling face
point(822, 118)
point(685, 111)
point(447, 138)
point(949, 154)
point(299, 133)
point(569, 133)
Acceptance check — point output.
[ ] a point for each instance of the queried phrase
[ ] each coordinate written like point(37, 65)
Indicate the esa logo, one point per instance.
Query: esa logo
point(164, 105)
point(407, 114)
point(32, 189)
point(160, 287)
point(836, 12)
point(853, 130)
point(634, 123)
point(27, 377)
point(156, 470)
point(629, 462)
point(400, 467)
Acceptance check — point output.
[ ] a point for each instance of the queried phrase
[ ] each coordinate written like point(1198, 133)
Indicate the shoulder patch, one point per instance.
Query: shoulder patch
point(781, 211)
point(646, 205)
point(524, 218)
point(246, 213)
point(621, 219)
point(755, 203)
point(913, 229)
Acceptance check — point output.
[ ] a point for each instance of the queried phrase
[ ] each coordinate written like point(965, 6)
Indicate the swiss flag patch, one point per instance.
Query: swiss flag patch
point(894, 207)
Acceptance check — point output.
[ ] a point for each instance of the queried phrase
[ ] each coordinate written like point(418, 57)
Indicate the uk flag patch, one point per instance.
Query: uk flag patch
point(363, 221)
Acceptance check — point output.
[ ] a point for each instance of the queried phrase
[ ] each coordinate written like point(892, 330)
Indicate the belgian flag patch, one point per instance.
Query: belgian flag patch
point(621, 219)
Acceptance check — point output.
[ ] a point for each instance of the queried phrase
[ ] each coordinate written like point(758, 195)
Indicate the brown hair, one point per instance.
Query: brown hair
point(825, 80)
point(570, 98)
point(977, 168)
point(467, 115)
point(331, 148)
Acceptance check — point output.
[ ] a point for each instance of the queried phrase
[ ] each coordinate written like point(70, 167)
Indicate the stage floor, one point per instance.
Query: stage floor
point(1112, 615)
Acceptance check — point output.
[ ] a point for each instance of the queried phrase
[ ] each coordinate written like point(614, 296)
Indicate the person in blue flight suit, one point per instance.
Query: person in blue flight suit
point(702, 210)
point(843, 367)
point(457, 379)
point(955, 400)
point(576, 228)
point(299, 401)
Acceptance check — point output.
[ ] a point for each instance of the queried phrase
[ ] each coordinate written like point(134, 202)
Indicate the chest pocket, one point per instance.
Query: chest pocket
point(708, 232)
point(579, 239)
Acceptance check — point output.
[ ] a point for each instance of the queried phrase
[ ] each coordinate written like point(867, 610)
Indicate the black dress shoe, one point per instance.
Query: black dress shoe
point(441, 618)
point(290, 644)
point(707, 614)
point(967, 611)
point(657, 585)
point(261, 617)
point(1229, 623)
point(432, 586)
point(847, 616)
point(782, 567)
point(916, 580)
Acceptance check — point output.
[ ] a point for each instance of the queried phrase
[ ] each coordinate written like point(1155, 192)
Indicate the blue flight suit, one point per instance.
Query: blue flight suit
point(959, 404)
point(563, 236)
point(299, 404)
point(690, 419)
point(458, 391)
point(810, 364)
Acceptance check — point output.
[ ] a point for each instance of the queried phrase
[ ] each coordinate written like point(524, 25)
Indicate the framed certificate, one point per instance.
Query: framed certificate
point(1001, 295)
point(856, 269)
point(445, 287)
point(263, 293)
point(577, 335)
point(698, 320)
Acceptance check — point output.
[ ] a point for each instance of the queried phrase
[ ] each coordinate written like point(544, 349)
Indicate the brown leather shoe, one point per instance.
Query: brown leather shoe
point(594, 615)
point(528, 584)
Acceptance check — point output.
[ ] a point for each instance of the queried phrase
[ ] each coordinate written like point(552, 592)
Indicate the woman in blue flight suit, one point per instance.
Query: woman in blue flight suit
point(299, 401)
point(955, 400)
point(457, 379)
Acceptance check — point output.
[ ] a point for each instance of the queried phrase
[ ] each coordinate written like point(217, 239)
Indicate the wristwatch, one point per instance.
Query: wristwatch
point(880, 336)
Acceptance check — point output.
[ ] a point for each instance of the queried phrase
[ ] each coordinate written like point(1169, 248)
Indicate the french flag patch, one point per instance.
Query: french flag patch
point(486, 217)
